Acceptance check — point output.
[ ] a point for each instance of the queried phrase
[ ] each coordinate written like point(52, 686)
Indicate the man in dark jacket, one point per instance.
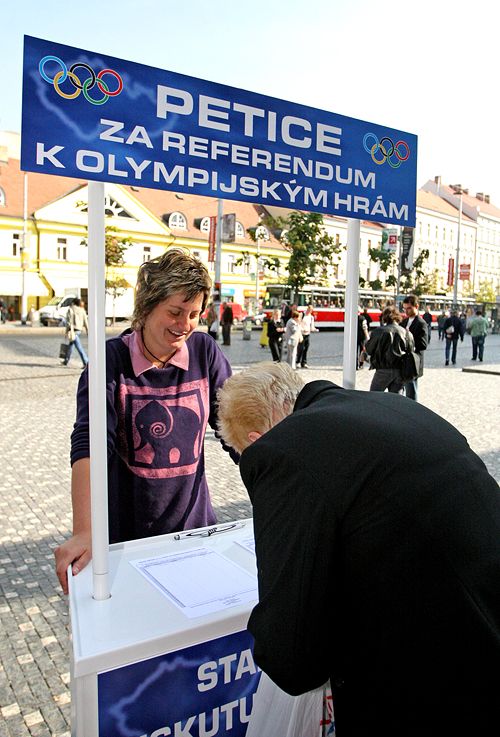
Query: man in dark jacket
point(378, 571)
point(418, 328)
point(453, 330)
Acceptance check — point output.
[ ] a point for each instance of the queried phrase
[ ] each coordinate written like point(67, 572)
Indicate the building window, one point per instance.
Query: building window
point(177, 220)
point(261, 233)
point(230, 264)
point(2, 198)
point(62, 249)
point(240, 230)
point(16, 244)
point(146, 253)
point(205, 225)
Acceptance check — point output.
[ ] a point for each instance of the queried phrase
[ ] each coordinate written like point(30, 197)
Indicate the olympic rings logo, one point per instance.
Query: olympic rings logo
point(80, 87)
point(386, 150)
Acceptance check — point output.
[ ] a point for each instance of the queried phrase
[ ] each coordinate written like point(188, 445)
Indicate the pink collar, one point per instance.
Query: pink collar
point(140, 363)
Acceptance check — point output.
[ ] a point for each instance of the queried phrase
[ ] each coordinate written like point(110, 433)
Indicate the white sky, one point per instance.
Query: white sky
point(429, 67)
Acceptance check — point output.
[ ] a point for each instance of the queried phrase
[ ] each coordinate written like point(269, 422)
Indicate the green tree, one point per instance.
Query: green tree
point(486, 291)
point(114, 259)
point(310, 247)
point(417, 281)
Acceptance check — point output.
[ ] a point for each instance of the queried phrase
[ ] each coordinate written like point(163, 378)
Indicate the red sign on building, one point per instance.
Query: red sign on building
point(465, 272)
point(451, 272)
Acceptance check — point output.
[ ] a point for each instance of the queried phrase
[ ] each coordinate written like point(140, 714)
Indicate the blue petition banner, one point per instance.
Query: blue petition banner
point(201, 691)
point(93, 116)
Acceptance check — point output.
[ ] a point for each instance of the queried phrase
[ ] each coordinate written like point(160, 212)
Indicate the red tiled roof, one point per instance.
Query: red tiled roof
point(44, 188)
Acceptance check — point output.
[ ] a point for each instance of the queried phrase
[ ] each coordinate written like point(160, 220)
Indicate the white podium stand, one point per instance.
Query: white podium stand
point(141, 668)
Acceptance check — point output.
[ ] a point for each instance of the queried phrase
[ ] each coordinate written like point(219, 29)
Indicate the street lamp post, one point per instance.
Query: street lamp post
point(460, 192)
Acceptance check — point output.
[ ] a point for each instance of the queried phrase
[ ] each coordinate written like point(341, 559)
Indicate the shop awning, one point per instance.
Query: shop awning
point(11, 284)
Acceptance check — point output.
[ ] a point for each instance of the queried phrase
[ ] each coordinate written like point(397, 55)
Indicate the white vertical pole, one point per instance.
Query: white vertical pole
point(24, 252)
point(457, 256)
point(97, 393)
point(351, 303)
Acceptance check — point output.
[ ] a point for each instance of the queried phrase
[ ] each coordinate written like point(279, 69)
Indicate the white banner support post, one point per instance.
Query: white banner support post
point(351, 304)
point(97, 392)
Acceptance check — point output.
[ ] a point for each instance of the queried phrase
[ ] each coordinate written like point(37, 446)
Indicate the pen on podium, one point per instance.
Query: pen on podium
point(209, 531)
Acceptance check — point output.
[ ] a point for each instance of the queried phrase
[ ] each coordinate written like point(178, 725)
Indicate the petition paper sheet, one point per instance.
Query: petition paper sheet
point(199, 581)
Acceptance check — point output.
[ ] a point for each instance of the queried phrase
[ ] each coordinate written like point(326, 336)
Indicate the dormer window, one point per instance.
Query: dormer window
point(177, 220)
point(205, 225)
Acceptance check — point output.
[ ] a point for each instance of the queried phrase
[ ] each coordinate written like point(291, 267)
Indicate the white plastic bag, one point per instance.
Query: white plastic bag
point(277, 714)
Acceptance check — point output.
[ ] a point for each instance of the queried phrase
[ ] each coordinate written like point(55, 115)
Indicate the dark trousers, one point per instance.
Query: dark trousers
point(275, 344)
point(302, 351)
point(226, 334)
point(453, 345)
point(477, 347)
point(389, 379)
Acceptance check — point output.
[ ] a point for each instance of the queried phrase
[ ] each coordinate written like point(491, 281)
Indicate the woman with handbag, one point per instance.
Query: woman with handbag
point(76, 321)
point(387, 347)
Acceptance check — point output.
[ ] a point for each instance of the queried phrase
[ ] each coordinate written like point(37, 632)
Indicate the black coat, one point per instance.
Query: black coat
point(387, 345)
point(458, 328)
point(378, 564)
point(420, 333)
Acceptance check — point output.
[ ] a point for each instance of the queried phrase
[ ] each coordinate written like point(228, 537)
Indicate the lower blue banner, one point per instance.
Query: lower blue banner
point(205, 690)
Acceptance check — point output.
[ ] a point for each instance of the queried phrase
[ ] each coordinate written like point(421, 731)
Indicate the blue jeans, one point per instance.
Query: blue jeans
point(477, 346)
point(411, 389)
point(76, 342)
point(453, 350)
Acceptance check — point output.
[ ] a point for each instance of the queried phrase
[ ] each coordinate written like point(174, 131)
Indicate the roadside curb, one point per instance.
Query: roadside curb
point(468, 370)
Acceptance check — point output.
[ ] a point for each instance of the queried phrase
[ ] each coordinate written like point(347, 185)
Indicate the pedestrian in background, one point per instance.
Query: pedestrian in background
point(226, 321)
point(440, 321)
point(275, 330)
point(454, 328)
point(418, 328)
point(386, 347)
point(362, 337)
point(307, 327)
point(292, 337)
point(367, 318)
point(212, 321)
point(427, 318)
point(478, 333)
point(76, 321)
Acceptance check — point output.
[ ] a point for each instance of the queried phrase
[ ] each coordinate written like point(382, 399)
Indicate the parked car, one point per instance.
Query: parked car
point(258, 319)
point(119, 309)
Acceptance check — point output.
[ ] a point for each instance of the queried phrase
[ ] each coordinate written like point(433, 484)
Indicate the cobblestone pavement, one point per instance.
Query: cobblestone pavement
point(37, 408)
